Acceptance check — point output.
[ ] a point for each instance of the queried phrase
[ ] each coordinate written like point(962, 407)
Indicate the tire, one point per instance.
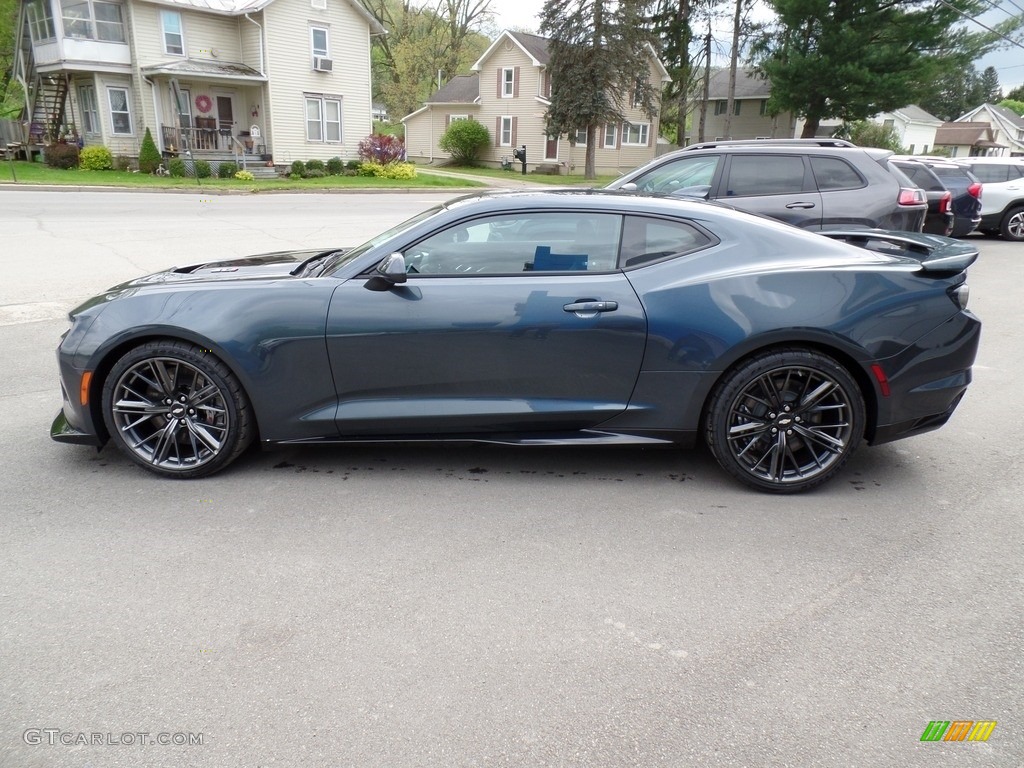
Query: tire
point(1012, 225)
point(175, 410)
point(785, 421)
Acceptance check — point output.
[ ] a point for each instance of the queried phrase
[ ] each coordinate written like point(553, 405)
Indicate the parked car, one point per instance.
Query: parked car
point(572, 318)
point(967, 190)
point(813, 184)
point(1003, 205)
point(939, 219)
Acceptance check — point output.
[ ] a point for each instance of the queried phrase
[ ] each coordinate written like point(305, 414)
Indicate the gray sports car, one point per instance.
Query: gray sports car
point(563, 317)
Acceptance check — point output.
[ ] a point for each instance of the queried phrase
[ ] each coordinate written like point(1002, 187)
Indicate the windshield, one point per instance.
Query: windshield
point(341, 259)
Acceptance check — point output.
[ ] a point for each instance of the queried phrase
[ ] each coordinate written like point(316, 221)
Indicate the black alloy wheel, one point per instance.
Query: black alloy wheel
point(785, 421)
point(176, 410)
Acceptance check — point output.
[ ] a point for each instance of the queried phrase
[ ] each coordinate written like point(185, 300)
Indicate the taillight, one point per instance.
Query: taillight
point(974, 190)
point(911, 196)
point(945, 202)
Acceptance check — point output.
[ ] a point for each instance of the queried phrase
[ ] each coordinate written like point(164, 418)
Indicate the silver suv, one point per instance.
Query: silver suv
point(1002, 204)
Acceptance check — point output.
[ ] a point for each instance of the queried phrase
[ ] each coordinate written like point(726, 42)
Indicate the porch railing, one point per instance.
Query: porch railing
point(196, 139)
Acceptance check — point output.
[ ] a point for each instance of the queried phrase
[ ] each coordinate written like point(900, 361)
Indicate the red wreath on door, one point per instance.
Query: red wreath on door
point(203, 103)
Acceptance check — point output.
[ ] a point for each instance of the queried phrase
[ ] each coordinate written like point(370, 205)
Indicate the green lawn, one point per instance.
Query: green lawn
point(573, 179)
point(39, 173)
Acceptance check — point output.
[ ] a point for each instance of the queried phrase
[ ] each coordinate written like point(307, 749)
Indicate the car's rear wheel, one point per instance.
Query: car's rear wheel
point(176, 410)
point(1012, 225)
point(786, 420)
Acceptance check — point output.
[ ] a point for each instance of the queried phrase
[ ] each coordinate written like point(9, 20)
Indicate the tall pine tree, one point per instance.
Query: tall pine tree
point(600, 64)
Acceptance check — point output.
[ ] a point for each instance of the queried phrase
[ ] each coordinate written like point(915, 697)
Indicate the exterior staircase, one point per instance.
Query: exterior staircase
point(255, 164)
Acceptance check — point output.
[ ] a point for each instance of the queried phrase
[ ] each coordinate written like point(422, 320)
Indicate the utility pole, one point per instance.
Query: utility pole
point(731, 99)
point(707, 83)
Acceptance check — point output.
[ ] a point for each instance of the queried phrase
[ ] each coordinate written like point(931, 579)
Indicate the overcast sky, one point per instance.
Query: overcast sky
point(1009, 62)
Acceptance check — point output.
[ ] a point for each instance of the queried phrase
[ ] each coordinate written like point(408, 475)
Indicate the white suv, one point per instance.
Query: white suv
point(1002, 207)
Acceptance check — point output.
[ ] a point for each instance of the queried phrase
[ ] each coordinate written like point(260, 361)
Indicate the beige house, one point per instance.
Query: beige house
point(965, 139)
point(262, 79)
point(509, 93)
point(1007, 129)
point(750, 118)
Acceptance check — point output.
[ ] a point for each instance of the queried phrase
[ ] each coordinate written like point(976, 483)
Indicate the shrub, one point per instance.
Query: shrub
point(203, 170)
point(62, 156)
point(334, 166)
point(381, 148)
point(227, 170)
point(176, 167)
point(244, 176)
point(95, 159)
point(149, 155)
point(298, 168)
point(353, 165)
point(314, 165)
point(122, 163)
point(314, 174)
point(402, 171)
point(464, 141)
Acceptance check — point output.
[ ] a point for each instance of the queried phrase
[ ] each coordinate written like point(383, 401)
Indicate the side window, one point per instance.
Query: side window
point(680, 176)
point(563, 241)
point(765, 175)
point(1017, 172)
point(990, 173)
point(832, 173)
point(917, 174)
point(647, 239)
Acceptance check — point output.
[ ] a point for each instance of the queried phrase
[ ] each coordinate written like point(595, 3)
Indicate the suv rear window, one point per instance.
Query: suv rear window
point(765, 175)
point(992, 172)
point(833, 173)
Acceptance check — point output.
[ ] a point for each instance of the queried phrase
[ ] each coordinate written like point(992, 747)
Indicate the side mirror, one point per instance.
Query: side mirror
point(629, 186)
point(389, 273)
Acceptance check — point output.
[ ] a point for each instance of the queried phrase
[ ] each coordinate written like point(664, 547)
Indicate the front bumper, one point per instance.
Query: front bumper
point(63, 432)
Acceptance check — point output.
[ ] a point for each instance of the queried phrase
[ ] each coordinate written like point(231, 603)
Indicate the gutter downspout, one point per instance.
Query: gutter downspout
point(260, 28)
point(156, 111)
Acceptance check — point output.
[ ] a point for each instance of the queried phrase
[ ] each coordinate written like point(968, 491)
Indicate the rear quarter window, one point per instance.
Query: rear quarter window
point(831, 173)
point(646, 239)
point(991, 173)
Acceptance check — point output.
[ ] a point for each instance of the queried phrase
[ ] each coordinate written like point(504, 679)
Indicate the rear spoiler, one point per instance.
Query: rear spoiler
point(934, 252)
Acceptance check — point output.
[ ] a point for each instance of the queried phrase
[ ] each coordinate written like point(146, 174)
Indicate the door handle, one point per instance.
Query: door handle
point(591, 306)
point(800, 205)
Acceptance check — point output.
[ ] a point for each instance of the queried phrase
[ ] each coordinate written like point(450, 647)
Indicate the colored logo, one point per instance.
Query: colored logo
point(958, 730)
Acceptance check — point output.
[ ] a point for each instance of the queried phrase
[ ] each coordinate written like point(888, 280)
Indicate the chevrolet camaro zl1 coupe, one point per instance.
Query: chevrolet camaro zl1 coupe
point(556, 317)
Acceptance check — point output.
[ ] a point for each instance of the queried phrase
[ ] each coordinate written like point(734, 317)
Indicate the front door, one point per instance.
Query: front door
point(225, 119)
point(551, 148)
point(507, 323)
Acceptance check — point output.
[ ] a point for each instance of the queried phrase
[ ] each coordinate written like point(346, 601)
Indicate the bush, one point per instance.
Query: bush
point(315, 165)
point(122, 163)
point(176, 167)
point(95, 159)
point(380, 148)
point(353, 165)
point(334, 166)
point(244, 176)
point(227, 170)
point(149, 155)
point(402, 171)
point(867, 134)
point(203, 170)
point(464, 141)
point(298, 168)
point(62, 156)
point(314, 174)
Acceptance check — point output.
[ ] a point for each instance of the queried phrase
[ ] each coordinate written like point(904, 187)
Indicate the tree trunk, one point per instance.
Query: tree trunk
point(684, 71)
point(590, 164)
point(727, 127)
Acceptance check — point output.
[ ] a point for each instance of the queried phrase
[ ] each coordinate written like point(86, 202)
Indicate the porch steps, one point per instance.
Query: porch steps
point(255, 164)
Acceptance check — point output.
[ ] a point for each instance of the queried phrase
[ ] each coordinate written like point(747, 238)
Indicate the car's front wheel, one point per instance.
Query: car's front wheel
point(1012, 226)
point(785, 421)
point(176, 410)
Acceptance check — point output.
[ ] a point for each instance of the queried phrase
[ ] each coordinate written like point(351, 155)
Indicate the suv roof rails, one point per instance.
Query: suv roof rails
point(771, 142)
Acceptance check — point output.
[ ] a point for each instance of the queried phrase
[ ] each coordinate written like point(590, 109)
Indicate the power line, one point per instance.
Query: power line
point(971, 18)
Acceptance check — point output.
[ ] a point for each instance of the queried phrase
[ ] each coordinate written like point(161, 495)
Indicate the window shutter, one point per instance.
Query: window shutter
point(500, 81)
point(515, 84)
point(515, 123)
point(447, 121)
point(547, 85)
point(497, 131)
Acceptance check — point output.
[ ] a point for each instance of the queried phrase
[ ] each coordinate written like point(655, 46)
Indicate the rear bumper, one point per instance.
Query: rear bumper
point(928, 380)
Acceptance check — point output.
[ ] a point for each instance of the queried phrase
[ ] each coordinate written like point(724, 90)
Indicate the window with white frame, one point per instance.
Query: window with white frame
point(581, 137)
point(635, 134)
point(318, 41)
point(506, 131)
point(454, 118)
point(87, 108)
point(174, 40)
point(610, 135)
point(323, 118)
point(40, 21)
point(508, 82)
point(120, 111)
point(92, 20)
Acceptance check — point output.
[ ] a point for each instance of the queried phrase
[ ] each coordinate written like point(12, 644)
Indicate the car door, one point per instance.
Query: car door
point(776, 185)
point(507, 323)
point(687, 175)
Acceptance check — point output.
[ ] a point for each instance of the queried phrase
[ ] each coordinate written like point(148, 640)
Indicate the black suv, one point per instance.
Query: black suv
point(810, 183)
point(962, 184)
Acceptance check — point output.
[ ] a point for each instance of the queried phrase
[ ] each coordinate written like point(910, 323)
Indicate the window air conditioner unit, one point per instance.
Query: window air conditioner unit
point(320, 64)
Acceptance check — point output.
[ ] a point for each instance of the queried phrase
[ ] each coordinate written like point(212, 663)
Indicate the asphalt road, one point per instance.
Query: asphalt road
point(484, 606)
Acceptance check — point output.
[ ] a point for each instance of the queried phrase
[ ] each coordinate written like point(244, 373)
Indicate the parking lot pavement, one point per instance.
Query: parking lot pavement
point(458, 606)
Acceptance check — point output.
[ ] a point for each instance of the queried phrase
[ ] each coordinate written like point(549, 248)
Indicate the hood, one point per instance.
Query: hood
point(273, 265)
